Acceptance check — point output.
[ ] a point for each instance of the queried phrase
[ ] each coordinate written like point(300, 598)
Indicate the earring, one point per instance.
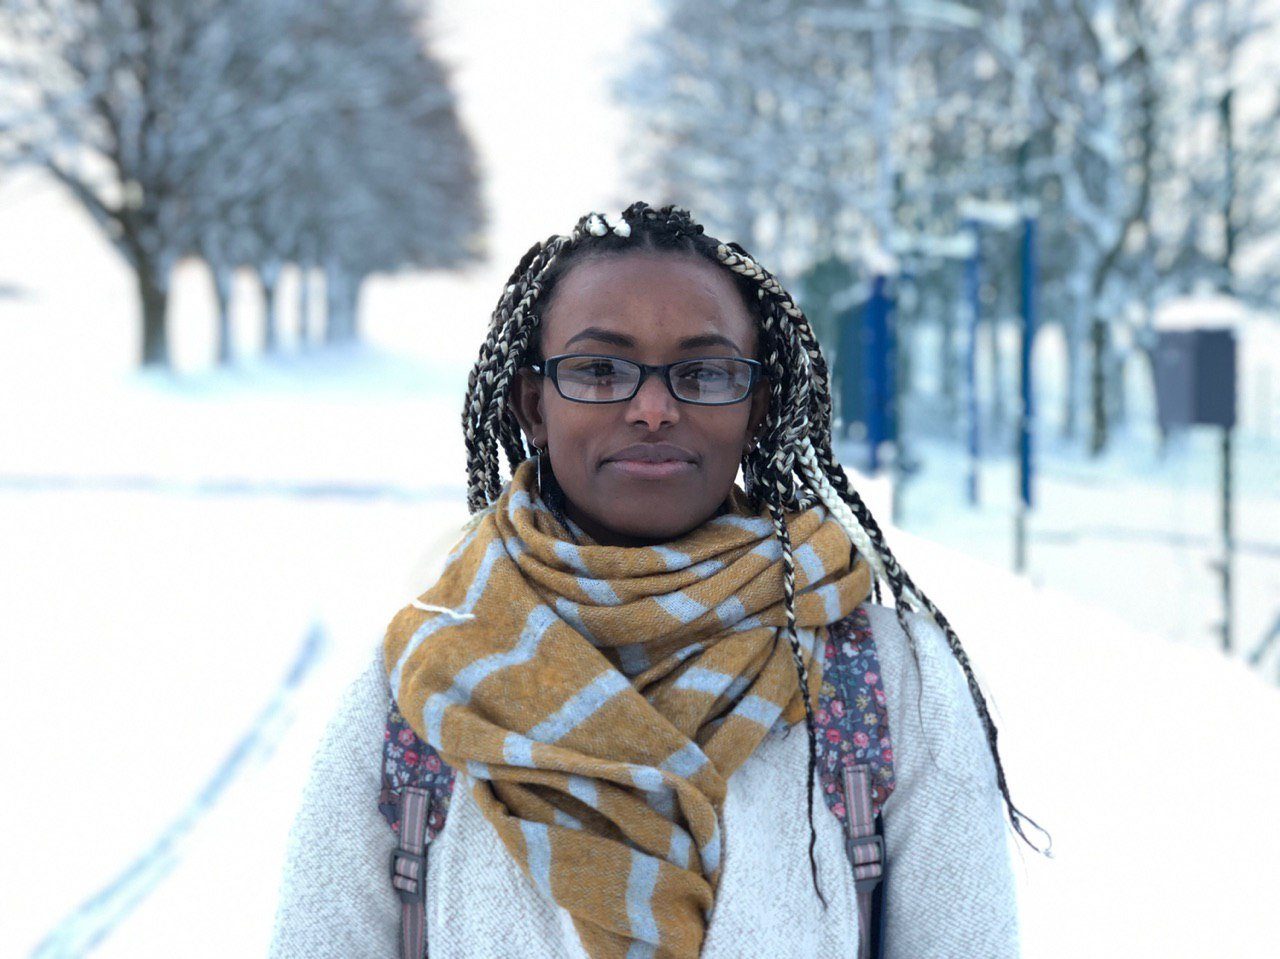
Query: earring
point(538, 453)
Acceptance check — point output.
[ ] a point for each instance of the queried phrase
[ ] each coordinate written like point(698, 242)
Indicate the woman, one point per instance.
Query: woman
point(600, 660)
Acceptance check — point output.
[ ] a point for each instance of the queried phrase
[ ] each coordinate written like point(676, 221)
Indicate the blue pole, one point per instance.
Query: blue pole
point(874, 366)
point(1026, 413)
point(972, 288)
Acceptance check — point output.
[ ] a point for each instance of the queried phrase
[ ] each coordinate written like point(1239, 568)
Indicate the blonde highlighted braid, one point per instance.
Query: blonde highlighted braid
point(791, 467)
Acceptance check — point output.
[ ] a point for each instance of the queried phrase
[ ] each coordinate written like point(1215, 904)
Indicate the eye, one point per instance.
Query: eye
point(706, 373)
point(592, 367)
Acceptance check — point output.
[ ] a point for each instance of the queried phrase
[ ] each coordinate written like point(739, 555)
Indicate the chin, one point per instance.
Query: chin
point(640, 524)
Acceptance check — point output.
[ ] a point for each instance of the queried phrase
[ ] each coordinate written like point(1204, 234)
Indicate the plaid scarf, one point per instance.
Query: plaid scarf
point(600, 697)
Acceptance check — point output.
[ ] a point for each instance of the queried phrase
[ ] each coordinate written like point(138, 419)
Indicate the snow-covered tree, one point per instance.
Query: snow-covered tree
point(749, 111)
point(394, 173)
point(806, 124)
point(99, 93)
point(1217, 215)
point(247, 132)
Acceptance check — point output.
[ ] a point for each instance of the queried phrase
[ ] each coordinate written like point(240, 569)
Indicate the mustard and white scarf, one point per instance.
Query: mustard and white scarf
point(600, 697)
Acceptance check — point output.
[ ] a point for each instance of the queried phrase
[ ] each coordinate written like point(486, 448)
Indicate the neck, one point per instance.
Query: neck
point(607, 536)
point(603, 535)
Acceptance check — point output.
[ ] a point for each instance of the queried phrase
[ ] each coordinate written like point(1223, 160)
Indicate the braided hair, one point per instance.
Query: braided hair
point(791, 467)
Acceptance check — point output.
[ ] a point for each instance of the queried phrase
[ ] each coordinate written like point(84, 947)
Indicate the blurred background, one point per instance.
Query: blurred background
point(248, 250)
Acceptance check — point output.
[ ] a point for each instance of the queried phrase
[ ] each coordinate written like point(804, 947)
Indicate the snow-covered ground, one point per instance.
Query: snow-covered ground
point(166, 546)
point(155, 598)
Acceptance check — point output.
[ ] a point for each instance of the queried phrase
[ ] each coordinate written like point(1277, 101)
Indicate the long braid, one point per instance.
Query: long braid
point(865, 532)
point(495, 367)
point(906, 593)
point(776, 511)
point(790, 468)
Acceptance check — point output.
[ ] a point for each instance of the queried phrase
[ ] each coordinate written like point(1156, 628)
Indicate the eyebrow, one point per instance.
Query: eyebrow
point(614, 338)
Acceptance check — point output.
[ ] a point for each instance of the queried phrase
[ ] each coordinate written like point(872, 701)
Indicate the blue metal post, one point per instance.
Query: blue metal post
point(1026, 412)
point(875, 368)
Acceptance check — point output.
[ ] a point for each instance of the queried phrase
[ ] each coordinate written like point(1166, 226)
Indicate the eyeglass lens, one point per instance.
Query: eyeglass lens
point(604, 379)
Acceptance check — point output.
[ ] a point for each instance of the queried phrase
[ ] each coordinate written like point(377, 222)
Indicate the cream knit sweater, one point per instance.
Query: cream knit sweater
point(949, 892)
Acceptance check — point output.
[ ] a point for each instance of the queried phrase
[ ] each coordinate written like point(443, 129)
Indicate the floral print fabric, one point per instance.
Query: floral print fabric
point(852, 721)
point(851, 724)
point(408, 761)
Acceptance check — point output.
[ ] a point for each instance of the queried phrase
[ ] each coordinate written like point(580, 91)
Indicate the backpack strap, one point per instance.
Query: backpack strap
point(864, 843)
point(409, 871)
point(417, 786)
point(855, 763)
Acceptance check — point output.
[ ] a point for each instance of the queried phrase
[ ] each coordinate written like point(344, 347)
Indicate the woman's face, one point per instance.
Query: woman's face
point(655, 308)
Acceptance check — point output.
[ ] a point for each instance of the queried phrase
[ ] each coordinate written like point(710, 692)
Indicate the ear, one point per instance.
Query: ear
point(759, 408)
point(525, 401)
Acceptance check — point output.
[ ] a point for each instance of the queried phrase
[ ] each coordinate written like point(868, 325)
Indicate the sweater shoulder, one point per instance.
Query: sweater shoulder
point(333, 899)
point(930, 704)
point(922, 655)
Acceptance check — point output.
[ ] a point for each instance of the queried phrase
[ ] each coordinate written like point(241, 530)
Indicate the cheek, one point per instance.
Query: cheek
point(572, 427)
point(725, 435)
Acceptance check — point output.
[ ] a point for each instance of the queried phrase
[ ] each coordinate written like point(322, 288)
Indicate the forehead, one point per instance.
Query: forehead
point(655, 298)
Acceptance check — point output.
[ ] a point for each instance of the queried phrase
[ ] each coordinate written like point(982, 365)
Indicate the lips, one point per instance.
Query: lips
point(651, 453)
point(651, 461)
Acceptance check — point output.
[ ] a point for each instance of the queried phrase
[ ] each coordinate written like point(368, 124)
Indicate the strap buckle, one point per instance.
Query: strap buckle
point(399, 857)
point(876, 841)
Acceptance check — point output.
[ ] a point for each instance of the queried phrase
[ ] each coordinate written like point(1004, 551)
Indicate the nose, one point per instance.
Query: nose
point(653, 406)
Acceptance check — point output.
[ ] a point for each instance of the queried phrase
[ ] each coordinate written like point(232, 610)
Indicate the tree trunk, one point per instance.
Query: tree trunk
point(1098, 358)
point(270, 339)
point(1076, 332)
point(332, 303)
point(154, 294)
point(950, 363)
point(1119, 392)
point(997, 376)
point(1149, 365)
point(269, 278)
point(351, 305)
point(341, 292)
point(304, 305)
point(222, 293)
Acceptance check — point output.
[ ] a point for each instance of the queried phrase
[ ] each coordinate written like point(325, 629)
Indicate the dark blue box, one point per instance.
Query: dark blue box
point(1196, 378)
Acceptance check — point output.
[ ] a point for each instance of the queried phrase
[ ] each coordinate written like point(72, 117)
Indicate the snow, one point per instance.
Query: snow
point(150, 622)
point(1000, 214)
point(877, 260)
point(1203, 310)
point(169, 543)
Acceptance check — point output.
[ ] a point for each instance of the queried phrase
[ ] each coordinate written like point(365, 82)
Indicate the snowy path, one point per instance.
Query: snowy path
point(1132, 534)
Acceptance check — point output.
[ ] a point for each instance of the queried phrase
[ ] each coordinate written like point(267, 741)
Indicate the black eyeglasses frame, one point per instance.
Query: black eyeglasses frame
point(550, 366)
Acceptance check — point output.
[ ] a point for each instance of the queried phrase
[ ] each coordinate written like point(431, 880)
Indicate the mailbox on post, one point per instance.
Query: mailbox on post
point(1195, 373)
point(1196, 378)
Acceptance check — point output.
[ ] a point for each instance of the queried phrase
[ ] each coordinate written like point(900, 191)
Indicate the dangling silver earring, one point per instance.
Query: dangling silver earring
point(538, 453)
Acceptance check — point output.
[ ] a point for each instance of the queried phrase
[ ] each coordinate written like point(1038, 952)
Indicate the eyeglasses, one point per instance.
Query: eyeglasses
point(592, 378)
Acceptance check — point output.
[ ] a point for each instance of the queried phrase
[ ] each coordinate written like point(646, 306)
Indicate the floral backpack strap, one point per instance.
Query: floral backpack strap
point(417, 786)
point(855, 763)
